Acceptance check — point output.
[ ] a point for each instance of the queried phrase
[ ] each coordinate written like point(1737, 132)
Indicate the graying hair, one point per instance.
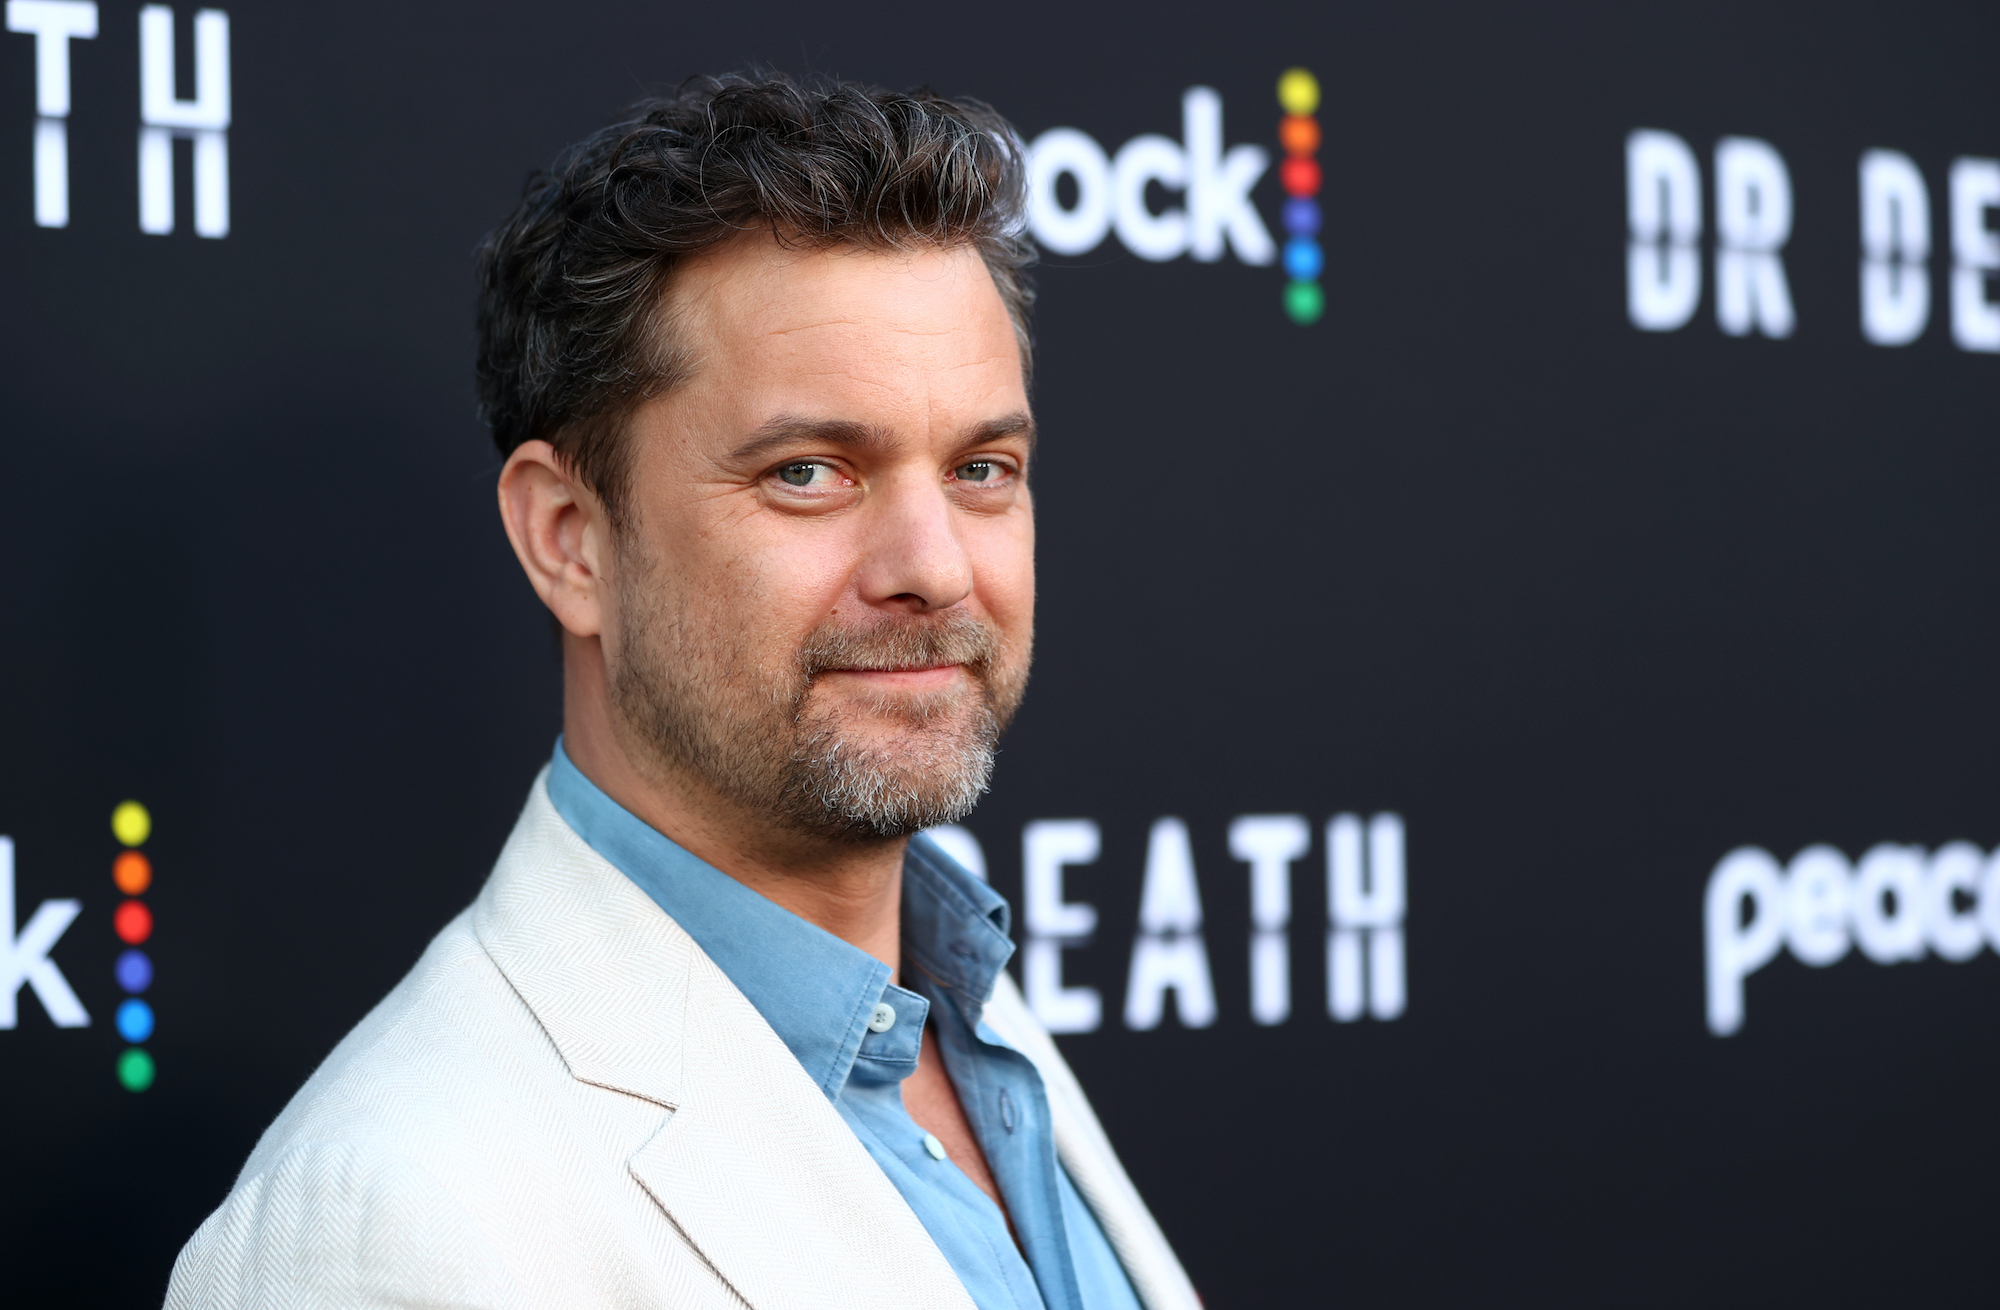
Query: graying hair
point(573, 324)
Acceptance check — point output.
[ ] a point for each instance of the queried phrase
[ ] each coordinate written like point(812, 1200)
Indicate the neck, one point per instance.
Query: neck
point(853, 890)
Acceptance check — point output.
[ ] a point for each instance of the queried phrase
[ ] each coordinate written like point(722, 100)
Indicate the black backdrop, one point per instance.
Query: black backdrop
point(1588, 606)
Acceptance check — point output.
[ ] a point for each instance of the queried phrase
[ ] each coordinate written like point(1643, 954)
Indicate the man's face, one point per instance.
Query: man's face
point(822, 605)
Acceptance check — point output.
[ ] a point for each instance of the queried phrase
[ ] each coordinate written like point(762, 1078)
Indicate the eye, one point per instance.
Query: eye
point(979, 470)
point(806, 473)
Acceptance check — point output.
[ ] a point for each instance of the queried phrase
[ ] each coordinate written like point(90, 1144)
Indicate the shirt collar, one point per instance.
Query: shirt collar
point(816, 991)
point(955, 927)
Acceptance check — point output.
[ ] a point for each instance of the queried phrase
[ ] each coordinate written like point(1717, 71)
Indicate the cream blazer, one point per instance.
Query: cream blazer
point(567, 1104)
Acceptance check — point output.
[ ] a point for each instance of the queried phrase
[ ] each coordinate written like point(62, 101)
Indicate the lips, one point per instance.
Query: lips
point(906, 675)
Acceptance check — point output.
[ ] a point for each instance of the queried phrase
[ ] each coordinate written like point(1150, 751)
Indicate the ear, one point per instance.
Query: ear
point(559, 533)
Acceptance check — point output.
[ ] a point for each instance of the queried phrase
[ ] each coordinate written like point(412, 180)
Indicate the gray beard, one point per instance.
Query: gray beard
point(757, 737)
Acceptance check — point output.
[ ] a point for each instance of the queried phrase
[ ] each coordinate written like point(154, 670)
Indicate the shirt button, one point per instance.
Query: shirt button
point(883, 1019)
point(934, 1146)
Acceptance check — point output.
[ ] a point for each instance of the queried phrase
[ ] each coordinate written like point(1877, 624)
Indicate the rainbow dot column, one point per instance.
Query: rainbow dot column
point(1298, 133)
point(133, 922)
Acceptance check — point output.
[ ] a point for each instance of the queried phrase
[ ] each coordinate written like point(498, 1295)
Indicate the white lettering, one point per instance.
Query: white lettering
point(159, 106)
point(1818, 889)
point(1975, 250)
point(1169, 953)
point(1737, 949)
point(1663, 211)
point(1047, 845)
point(25, 959)
point(1989, 901)
point(1269, 843)
point(1169, 901)
point(1895, 249)
point(1111, 193)
point(1219, 185)
point(205, 118)
point(51, 172)
point(1365, 900)
point(1161, 963)
point(1343, 975)
point(1270, 977)
point(1954, 872)
point(1888, 904)
point(1074, 231)
point(1896, 905)
point(1060, 1009)
point(1366, 904)
point(1146, 159)
point(1753, 220)
point(1386, 998)
point(54, 24)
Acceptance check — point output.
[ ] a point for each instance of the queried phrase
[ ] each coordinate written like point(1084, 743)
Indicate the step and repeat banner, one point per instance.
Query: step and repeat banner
point(1508, 800)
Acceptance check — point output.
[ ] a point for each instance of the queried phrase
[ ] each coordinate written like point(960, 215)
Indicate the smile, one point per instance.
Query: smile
point(924, 678)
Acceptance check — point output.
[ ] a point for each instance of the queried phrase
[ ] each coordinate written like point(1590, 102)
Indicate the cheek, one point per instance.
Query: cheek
point(1004, 560)
point(767, 584)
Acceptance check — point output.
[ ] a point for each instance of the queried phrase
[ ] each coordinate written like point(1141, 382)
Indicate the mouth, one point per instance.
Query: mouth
point(926, 677)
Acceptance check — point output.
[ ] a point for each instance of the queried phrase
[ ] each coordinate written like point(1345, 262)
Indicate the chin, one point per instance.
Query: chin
point(896, 750)
point(901, 719)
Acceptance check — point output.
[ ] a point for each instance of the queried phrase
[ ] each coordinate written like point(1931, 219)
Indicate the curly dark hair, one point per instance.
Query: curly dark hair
point(573, 333)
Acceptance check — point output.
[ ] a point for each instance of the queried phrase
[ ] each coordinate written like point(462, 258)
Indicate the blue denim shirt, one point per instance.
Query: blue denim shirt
point(819, 994)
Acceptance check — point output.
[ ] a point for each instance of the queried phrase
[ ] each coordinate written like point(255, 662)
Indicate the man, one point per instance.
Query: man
point(722, 1029)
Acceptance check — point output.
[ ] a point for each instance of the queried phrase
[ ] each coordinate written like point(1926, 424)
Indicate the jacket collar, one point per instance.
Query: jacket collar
point(605, 972)
point(816, 991)
point(754, 1166)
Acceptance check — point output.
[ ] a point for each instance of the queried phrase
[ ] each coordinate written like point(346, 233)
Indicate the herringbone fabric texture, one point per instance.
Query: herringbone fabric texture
point(567, 1104)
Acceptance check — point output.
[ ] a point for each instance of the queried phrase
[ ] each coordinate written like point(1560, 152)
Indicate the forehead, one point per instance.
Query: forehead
point(869, 324)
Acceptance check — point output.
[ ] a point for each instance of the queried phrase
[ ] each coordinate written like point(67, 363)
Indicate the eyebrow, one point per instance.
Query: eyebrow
point(1019, 424)
point(786, 430)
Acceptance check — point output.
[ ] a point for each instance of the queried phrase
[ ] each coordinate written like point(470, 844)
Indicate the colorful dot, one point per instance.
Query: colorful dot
point(133, 922)
point(1299, 177)
point(1303, 260)
point(135, 971)
point(1298, 91)
point(1304, 301)
point(135, 1020)
point(1301, 216)
point(130, 823)
point(1298, 134)
point(135, 1069)
point(132, 872)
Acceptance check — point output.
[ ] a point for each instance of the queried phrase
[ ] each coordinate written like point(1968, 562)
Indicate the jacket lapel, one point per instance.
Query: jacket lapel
point(754, 1166)
point(603, 970)
point(762, 1174)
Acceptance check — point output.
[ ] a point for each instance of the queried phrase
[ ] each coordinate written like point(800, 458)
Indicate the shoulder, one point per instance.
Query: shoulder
point(339, 1223)
point(427, 1054)
point(442, 1155)
point(348, 1199)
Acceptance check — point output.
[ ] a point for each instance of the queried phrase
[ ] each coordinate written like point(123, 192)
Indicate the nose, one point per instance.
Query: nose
point(913, 559)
